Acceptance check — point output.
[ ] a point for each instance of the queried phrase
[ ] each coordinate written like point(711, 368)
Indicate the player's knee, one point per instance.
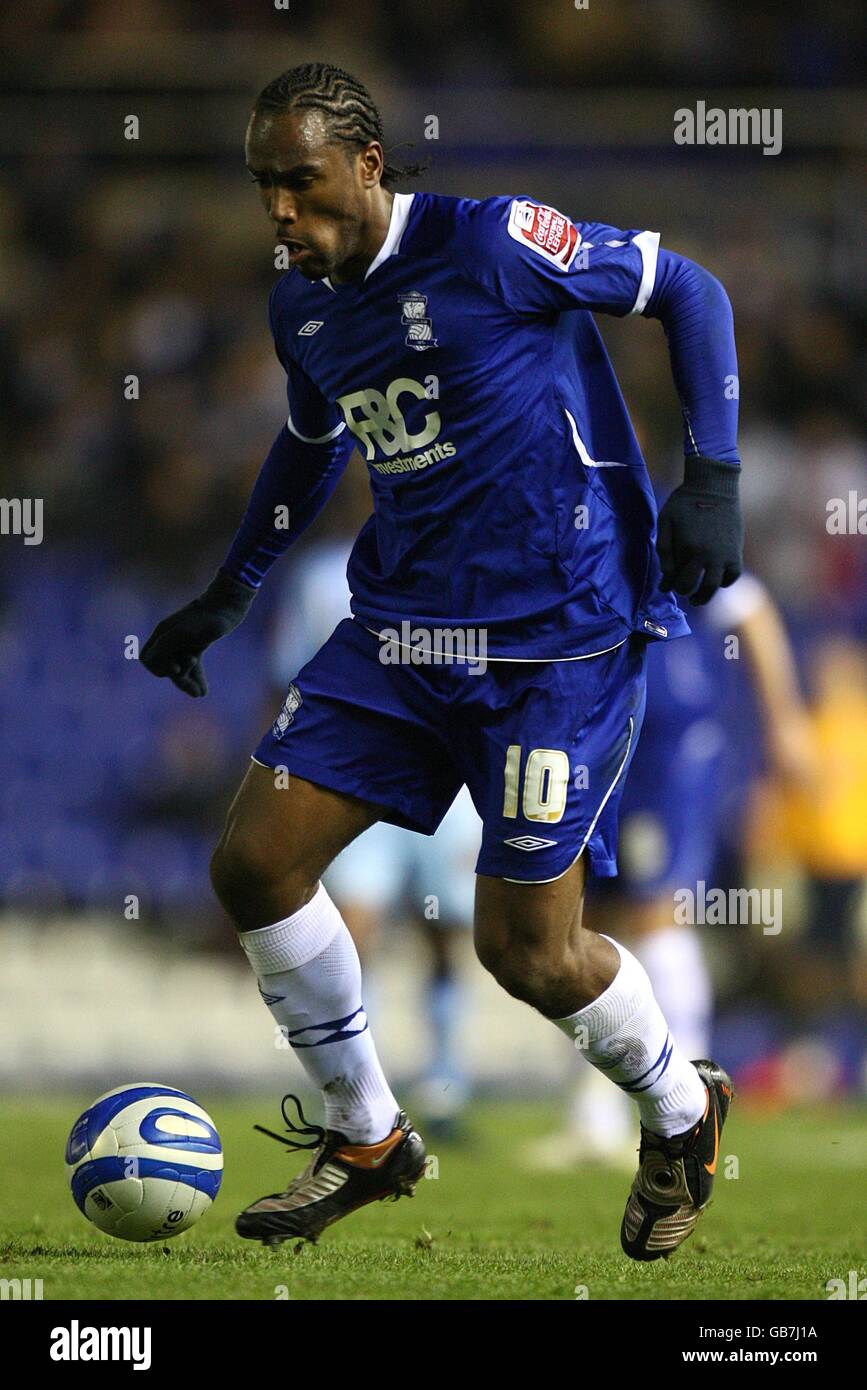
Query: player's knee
point(523, 963)
point(234, 871)
point(488, 950)
point(255, 885)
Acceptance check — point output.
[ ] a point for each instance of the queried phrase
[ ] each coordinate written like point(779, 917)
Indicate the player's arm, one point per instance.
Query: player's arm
point(541, 263)
point(297, 478)
point(294, 484)
point(750, 611)
point(700, 533)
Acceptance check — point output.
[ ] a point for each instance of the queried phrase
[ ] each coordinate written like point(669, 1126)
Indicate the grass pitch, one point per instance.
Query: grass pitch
point(483, 1229)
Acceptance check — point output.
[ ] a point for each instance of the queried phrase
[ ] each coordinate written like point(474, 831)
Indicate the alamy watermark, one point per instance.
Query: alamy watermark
point(22, 516)
point(20, 1289)
point(846, 516)
point(718, 907)
point(437, 646)
point(77, 1343)
point(735, 126)
point(854, 1287)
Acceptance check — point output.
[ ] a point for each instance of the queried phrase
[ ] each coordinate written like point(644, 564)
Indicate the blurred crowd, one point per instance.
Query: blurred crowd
point(504, 41)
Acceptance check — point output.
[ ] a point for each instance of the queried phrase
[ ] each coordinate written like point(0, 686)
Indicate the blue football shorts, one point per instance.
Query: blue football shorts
point(543, 746)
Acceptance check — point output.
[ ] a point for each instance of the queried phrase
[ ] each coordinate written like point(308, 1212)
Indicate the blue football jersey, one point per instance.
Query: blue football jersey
point(509, 490)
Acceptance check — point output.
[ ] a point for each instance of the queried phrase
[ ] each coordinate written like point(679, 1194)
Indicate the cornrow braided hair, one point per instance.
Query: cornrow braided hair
point(350, 110)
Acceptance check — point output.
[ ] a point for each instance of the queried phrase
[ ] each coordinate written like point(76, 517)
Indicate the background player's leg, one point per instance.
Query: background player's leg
point(265, 871)
point(674, 959)
point(530, 936)
point(441, 890)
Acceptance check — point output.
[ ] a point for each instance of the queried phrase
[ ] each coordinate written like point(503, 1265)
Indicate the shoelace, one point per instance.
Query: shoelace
point(304, 1128)
point(672, 1148)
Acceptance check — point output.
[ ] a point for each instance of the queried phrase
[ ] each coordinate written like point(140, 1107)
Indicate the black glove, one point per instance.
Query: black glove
point(175, 646)
point(701, 530)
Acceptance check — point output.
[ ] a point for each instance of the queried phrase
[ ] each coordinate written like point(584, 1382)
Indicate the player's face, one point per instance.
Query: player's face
point(316, 191)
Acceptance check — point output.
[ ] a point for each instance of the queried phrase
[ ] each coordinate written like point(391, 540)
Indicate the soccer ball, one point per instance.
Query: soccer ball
point(144, 1162)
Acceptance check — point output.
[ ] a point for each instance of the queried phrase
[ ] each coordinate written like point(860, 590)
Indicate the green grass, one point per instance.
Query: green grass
point(485, 1229)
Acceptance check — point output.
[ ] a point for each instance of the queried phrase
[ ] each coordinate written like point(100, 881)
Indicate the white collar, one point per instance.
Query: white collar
point(400, 207)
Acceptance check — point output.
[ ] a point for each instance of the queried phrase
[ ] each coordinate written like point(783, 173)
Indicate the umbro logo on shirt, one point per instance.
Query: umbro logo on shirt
point(310, 327)
point(529, 842)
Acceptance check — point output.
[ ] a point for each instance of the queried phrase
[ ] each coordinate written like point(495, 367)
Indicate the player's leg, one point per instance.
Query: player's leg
point(558, 766)
point(598, 1125)
point(532, 939)
point(668, 835)
point(365, 882)
point(331, 768)
point(281, 833)
point(557, 743)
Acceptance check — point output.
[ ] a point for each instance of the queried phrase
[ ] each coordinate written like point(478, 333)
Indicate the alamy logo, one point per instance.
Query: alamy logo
point(77, 1343)
point(419, 328)
point(855, 1288)
point(736, 126)
point(741, 907)
point(438, 646)
point(20, 1289)
point(22, 516)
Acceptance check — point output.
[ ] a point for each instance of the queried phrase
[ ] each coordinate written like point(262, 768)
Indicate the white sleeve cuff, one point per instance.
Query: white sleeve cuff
point(648, 245)
point(316, 439)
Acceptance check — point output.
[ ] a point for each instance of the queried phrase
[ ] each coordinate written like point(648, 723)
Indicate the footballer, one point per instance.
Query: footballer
point(452, 342)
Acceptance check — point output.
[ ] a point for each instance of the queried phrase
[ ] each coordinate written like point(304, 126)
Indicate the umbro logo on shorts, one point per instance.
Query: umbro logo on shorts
point(529, 842)
point(310, 327)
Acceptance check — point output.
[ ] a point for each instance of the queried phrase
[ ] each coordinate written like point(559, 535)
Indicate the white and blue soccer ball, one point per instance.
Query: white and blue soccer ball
point(144, 1162)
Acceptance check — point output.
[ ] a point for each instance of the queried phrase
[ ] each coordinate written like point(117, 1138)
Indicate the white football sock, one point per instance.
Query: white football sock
point(623, 1033)
point(674, 960)
point(310, 977)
